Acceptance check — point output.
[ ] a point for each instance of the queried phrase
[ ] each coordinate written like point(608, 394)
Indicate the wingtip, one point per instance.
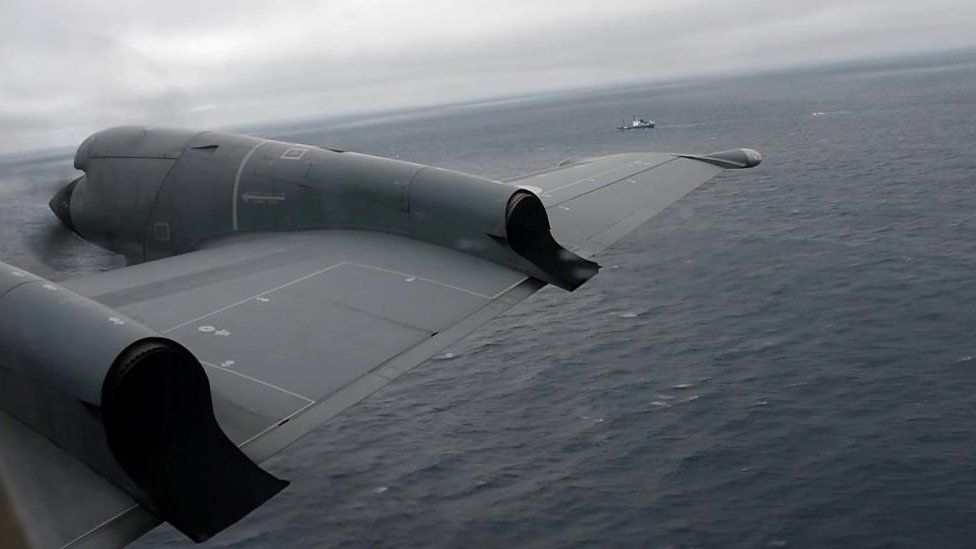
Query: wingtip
point(753, 158)
point(736, 159)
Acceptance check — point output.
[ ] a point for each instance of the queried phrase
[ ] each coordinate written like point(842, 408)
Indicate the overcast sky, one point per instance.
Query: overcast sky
point(68, 68)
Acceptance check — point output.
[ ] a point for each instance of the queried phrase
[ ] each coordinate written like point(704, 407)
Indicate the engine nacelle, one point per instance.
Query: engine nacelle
point(132, 405)
point(152, 193)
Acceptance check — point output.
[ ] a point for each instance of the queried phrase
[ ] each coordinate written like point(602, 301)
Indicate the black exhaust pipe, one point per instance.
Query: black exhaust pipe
point(60, 204)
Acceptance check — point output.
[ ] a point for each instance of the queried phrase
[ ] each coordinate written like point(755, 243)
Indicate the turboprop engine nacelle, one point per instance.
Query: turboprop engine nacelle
point(149, 193)
point(132, 405)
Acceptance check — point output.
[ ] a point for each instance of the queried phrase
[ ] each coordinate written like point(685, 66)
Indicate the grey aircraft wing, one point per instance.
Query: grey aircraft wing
point(594, 202)
point(293, 328)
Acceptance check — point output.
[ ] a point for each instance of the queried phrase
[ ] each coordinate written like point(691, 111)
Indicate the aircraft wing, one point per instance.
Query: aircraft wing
point(293, 328)
point(594, 202)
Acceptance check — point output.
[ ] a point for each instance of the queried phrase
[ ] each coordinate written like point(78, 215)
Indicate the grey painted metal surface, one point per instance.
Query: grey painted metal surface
point(303, 279)
point(74, 371)
point(151, 202)
point(58, 498)
point(59, 338)
point(56, 348)
point(357, 297)
point(583, 222)
point(11, 533)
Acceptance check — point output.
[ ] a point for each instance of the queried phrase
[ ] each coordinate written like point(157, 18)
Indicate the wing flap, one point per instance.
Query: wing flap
point(296, 318)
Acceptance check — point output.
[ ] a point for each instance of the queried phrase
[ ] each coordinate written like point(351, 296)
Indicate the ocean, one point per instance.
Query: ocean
point(784, 358)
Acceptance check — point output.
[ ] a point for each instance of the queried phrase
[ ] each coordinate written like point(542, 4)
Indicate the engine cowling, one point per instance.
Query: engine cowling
point(134, 406)
point(500, 222)
point(152, 193)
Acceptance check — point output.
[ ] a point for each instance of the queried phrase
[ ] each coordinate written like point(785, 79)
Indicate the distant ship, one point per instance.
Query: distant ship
point(636, 124)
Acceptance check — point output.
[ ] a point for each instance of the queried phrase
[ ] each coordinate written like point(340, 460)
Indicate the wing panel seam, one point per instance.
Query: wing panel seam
point(409, 275)
point(95, 529)
point(243, 301)
point(256, 380)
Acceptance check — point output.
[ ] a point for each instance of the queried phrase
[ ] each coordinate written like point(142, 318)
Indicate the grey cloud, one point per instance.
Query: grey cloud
point(67, 69)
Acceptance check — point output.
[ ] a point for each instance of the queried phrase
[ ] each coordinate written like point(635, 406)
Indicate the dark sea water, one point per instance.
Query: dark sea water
point(785, 358)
